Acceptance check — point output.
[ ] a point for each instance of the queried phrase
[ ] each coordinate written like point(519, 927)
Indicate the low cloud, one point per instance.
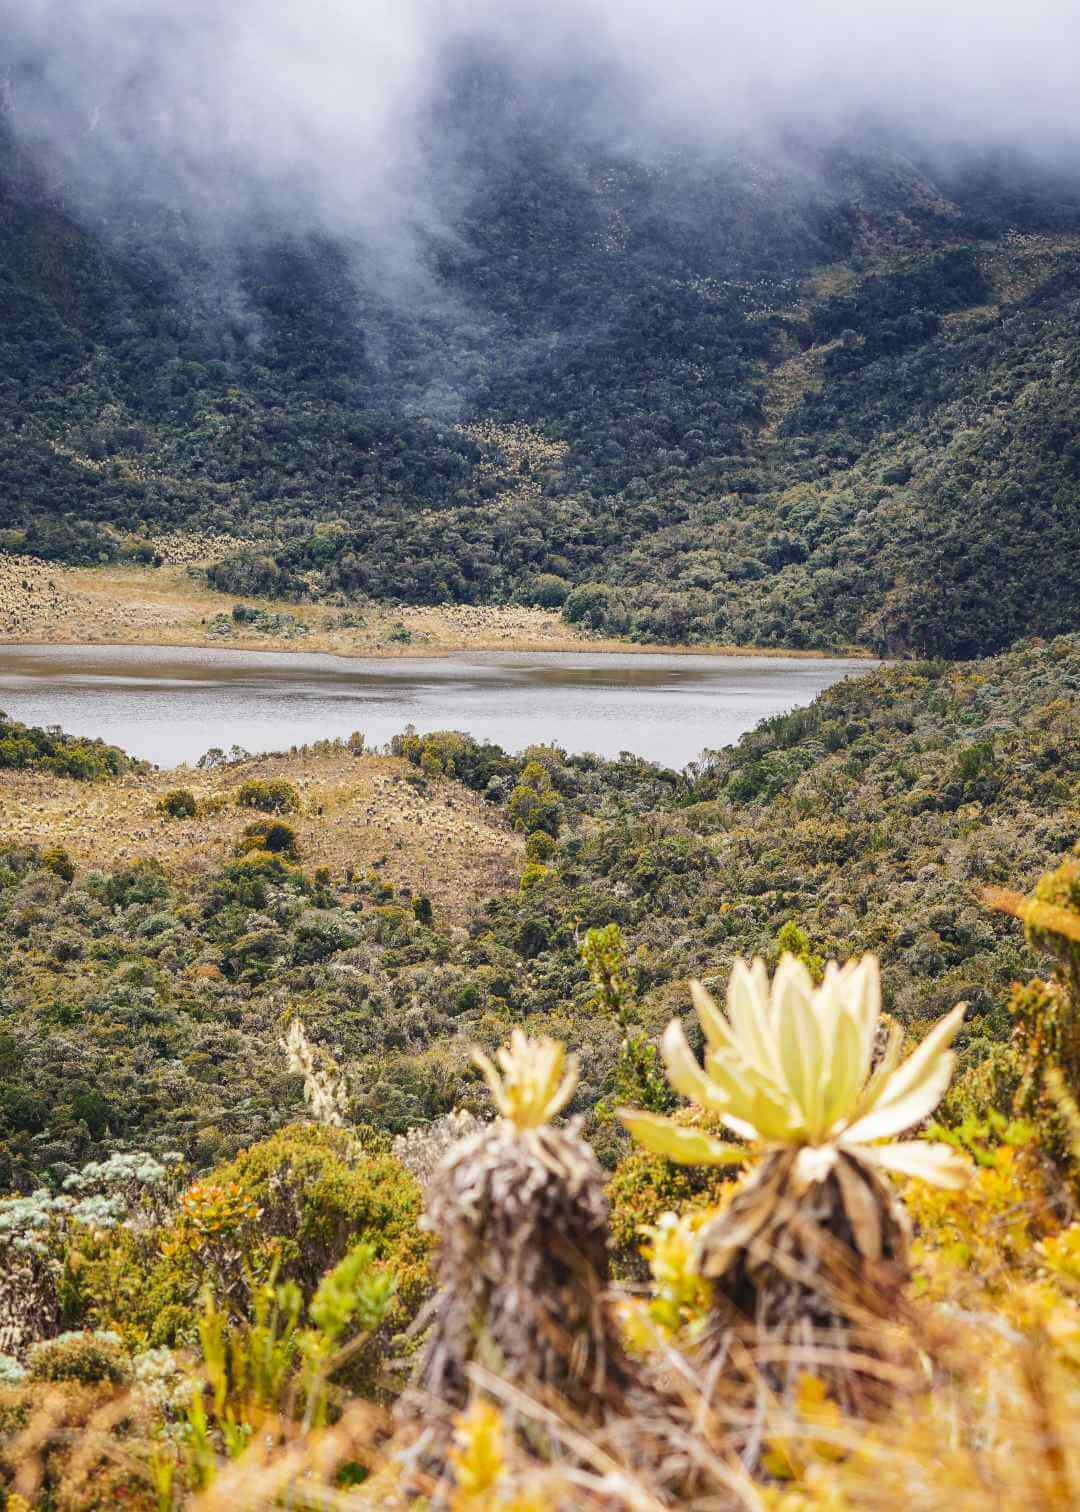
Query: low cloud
point(322, 105)
point(329, 116)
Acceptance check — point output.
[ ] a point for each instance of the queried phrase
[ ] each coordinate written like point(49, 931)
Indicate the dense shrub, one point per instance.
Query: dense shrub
point(178, 803)
point(319, 1192)
point(534, 805)
point(80, 1356)
point(57, 860)
point(453, 754)
point(141, 882)
point(274, 836)
point(540, 846)
point(291, 1206)
point(274, 795)
point(27, 748)
point(644, 1186)
point(546, 590)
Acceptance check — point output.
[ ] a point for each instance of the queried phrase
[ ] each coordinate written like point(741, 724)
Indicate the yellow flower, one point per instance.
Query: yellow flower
point(680, 1293)
point(790, 1065)
point(478, 1455)
point(536, 1081)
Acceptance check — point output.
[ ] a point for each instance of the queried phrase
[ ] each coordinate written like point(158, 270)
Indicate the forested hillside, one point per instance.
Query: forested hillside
point(410, 907)
point(817, 397)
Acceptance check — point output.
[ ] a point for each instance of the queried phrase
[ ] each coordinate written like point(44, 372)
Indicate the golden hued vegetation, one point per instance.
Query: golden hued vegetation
point(352, 814)
point(172, 604)
point(315, 1072)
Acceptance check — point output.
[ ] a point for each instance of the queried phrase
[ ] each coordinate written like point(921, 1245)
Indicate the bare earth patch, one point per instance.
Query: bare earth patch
point(357, 812)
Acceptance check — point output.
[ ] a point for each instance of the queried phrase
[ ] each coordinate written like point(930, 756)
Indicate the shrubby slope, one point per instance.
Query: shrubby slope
point(142, 1002)
point(813, 401)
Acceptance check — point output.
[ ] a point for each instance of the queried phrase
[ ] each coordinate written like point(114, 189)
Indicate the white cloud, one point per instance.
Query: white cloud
point(316, 110)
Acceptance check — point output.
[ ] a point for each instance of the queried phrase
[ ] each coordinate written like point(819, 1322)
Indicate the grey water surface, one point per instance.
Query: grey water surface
point(169, 705)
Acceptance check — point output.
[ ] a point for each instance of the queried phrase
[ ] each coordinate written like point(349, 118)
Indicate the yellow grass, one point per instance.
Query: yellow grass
point(43, 603)
point(356, 811)
point(790, 381)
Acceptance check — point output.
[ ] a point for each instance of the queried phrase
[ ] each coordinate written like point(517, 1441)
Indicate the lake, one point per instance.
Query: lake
point(170, 705)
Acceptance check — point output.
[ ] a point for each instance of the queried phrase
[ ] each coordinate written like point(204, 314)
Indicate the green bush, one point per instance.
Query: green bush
point(274, 836)
point(178, 803)
point(644, 1186)
point(65, 945)
point(546, 590)
point(319, 1192)
point(245, 880)
point(142, 882)
point(450, 753)
point(57, 861)
point(597, 606)
point(79, 1356)
point(323, 932)
point(28, 748)
point(535, 874)
point(540, 846)
point(534, 804)
point(294, 1205)
point(273, 795)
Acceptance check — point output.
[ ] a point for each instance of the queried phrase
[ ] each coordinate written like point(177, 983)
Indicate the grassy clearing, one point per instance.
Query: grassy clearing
point(46, 602)
point(356, 812)
point(43, 602)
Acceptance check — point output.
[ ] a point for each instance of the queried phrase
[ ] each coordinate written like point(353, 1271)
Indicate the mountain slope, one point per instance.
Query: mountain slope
point(813, 398)
point(146, 973)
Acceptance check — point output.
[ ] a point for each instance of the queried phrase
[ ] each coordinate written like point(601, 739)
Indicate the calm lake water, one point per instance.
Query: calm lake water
point(168, 706)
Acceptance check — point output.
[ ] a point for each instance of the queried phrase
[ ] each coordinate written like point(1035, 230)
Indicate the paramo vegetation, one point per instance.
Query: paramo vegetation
point(803, 1336)
point(815, 399)
point(142, 1006)
point(262, 1240)
point(27, 748)
point(706, 1139)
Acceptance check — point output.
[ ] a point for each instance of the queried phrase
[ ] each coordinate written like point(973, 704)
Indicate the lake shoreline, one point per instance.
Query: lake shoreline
point(605, 646)
point(168, 705)
point(167, 608)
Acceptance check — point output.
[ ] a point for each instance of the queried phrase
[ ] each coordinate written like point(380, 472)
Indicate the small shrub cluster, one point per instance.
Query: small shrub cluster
point(27, 748)
point(274, 836)
point(178, 803)
point(273, 795)
point(82, 1356)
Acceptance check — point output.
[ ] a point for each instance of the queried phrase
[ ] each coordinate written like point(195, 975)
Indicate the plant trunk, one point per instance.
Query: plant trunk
point(523, 1278)
point(808, 1281)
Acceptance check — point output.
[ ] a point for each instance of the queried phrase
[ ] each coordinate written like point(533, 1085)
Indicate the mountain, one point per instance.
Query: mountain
point(818, 391)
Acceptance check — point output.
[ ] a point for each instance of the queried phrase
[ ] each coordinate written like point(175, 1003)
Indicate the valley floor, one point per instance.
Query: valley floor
point(48, 603)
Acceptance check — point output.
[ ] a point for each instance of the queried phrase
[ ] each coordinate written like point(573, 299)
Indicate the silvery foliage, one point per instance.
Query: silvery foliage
point(159, 1376)
point(127, 1188)
point(102, 1335)
point(100, 1196)
point(11, 1372)
point(44, 1347)
point(421, 1150)
point(325, 1090)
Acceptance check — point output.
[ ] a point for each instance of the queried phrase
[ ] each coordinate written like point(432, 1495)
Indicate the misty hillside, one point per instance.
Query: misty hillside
point(812, 391)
